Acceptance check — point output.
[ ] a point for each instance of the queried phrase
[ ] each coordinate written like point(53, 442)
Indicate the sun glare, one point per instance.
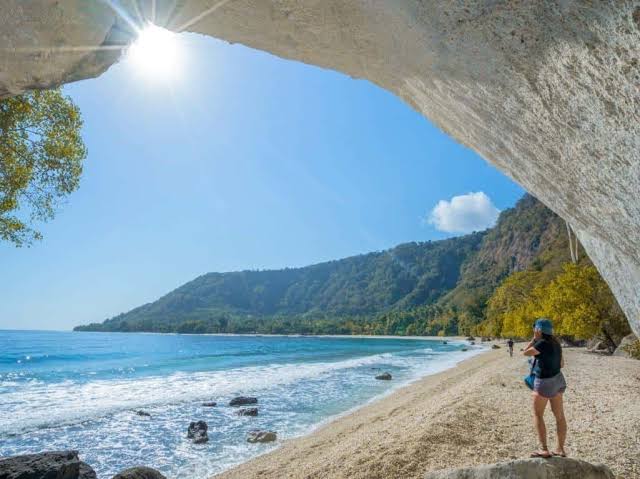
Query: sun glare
point(156, 53)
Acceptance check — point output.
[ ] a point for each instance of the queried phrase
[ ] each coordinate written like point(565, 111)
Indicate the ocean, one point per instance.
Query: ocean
point(81, 390)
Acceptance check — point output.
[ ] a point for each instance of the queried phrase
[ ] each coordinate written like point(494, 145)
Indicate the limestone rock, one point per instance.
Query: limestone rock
point(627, 340)
point(139, 472)
point(54, 465)
point(261, 436)
point(243, 401)
point(544, 91)
point(554, 468)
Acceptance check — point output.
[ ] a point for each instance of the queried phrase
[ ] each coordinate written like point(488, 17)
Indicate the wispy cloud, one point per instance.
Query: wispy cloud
point(464, 213)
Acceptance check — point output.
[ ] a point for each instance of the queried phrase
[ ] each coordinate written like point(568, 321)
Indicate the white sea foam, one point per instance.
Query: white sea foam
point(40, 405)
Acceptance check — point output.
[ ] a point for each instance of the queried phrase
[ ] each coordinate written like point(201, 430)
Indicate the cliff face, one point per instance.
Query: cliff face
point(545, 91)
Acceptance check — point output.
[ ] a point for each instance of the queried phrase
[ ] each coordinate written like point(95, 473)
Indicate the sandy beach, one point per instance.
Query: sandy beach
point(478, 412)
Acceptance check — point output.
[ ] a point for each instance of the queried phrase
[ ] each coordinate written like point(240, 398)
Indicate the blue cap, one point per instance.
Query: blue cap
point(544, 325)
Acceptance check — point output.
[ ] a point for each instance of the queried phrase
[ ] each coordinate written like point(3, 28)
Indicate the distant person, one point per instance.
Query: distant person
point(548, 386)
point(510, 345)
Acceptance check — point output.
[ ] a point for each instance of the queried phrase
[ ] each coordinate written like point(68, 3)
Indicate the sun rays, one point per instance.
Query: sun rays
point(154, 52)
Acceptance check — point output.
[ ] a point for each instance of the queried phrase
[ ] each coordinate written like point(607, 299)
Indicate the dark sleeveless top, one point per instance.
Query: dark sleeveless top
point(548, 361)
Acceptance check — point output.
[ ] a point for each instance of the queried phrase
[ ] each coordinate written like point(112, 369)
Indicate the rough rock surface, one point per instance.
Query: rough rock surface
point(54, 465)
point(197, 432)
point(140, 472)
point(247, 411)
point(627, 340)
point(555, 468)
point(243, 401)
point(261, 436)
point(545, 91)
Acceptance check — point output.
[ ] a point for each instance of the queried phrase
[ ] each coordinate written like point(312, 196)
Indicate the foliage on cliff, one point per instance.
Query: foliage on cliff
point(577, 299)
point(41, 154)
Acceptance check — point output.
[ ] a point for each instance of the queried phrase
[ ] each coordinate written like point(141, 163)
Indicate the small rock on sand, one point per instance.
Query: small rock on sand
point(261, 436)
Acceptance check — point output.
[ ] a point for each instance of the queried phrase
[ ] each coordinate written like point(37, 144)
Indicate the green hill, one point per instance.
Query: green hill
point(438, 281)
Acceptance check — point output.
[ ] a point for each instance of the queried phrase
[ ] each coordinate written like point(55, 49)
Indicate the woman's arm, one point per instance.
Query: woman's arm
point(529, 350)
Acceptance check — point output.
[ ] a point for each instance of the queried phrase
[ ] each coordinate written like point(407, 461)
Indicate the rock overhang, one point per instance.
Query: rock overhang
point(548, 92)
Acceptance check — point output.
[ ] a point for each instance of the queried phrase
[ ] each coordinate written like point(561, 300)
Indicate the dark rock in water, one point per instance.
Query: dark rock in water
point(139, 472)
point(210, 404)
point(86, 471)
point(243, 401)
point(384, 376)
point(247, 411)
point(495, 346)
point(197, 432)
point(472, 343)
point(445, 342)
point(554, 468)
point(143, 413)
point(471, 338)
point(54, 465)
point(261, 436)
point(464, 350)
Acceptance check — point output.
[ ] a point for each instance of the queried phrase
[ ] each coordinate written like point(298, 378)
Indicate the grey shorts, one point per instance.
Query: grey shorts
point(550, 387)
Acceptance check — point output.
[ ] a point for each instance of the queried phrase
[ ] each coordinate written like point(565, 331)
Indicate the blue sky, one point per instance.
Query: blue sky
point(246, 161)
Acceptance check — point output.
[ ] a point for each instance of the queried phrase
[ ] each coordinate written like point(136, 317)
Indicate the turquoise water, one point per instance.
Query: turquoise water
point(64, 390)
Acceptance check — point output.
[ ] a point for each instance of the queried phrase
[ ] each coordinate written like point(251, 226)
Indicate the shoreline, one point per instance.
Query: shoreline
point(476, 412)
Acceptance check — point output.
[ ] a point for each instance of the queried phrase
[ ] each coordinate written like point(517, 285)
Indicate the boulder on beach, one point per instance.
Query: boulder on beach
point(197, 432)
point(247, 411)
point(626, 341)
point(384, 377)
point(143, 413)
point(495, 346)
point(55, 465)
point(243, 401)
point(139, 472)
point(209, 404)
point(261, 436)
point(470, 338)
point(554, 468)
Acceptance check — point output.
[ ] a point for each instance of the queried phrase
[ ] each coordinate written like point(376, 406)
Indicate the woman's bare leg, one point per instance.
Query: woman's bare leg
point(539, 405)
point(557, 407)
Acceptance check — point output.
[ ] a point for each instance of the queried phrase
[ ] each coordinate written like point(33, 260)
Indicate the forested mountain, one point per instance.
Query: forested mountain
point(438, 284)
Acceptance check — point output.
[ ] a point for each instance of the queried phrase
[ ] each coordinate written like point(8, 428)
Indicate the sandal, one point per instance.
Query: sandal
point(542, 454)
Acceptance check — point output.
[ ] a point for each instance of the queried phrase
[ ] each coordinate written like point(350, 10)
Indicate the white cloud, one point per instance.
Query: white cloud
point(464, 213)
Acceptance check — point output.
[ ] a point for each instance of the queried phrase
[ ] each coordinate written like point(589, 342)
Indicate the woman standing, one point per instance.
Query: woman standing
point(548, 386)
